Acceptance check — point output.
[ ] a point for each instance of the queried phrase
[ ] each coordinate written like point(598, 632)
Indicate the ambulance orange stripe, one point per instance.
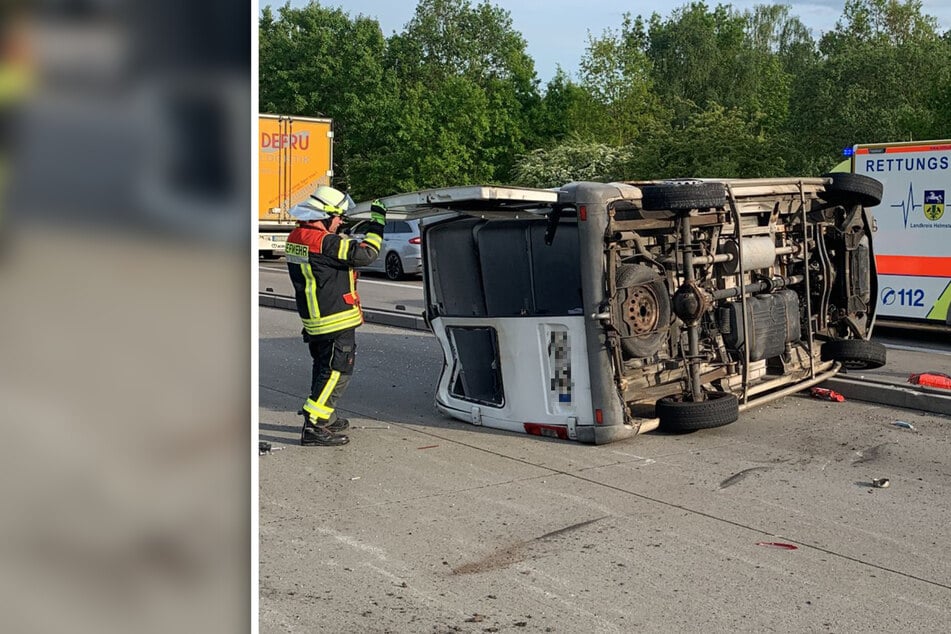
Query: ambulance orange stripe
point(913, 265)
point(904, 148)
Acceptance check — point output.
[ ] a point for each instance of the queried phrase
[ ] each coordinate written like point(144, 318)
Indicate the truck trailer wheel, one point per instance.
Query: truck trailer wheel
point(683, 196)
point(855, 354)
point(678, 415)
point(847, 188)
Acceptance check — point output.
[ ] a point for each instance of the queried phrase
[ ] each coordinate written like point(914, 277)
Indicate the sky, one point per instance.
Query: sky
point(556, 31)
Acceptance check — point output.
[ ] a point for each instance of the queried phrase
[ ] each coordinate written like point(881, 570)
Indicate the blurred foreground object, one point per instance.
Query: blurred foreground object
point(16, 79)
point(125, 377)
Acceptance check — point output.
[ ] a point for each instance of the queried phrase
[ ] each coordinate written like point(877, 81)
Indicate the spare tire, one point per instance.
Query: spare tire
point(644, 309)
point(847, 189)
point(683, 196)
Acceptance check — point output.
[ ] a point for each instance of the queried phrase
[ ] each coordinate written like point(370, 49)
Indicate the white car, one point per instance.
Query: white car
point(400, 253)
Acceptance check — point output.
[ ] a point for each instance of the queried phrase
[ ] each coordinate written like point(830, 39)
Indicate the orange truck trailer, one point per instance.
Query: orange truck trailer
point(295, 156)
point(913, 239)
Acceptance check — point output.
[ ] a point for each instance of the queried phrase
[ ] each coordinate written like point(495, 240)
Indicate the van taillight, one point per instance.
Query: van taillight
point(416, 240)
point(599, 417)
point(582, 213)
point(550, 431)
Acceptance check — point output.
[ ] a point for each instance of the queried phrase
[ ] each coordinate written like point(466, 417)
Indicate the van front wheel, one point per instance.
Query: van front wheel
point(845, 188)
point(678, 415)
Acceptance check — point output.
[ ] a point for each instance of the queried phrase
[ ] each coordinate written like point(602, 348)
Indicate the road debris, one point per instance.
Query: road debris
point(881, 483)
point(931, 379)
point(826, 394)
point(265, 447)
point(903, 424)
point(475, 618)
point(354, 478)
point(428, 447)
point(782, 545)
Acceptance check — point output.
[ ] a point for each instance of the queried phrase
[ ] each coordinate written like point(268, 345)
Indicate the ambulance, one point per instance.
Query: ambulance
point(913, 240)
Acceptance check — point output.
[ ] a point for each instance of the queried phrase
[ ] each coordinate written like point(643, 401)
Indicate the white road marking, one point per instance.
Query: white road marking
point(364, 280)
point(644, 460)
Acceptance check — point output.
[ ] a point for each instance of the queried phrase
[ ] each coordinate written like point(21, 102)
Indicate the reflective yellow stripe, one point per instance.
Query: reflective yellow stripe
point(15, 83)
point(344, 316)
point(339, 321)
point(313, 407)
point(327, 327)
point(373, 240)
point(331, 384)
point(310, 291)
point(343, 248)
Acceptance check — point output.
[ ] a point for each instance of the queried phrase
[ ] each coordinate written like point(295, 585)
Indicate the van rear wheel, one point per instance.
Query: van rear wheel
point(855, 354)
point(679, 415)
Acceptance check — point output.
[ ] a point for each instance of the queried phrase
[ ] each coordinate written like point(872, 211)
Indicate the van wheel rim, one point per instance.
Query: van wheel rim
point(642, 310)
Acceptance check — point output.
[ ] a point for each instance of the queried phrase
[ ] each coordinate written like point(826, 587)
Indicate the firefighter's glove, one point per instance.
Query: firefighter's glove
point(378, 212)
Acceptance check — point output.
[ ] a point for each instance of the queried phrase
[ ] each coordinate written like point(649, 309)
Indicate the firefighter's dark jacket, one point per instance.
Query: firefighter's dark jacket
point(321, 266)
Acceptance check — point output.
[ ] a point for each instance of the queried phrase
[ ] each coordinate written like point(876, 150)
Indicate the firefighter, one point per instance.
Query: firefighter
point(321, 265)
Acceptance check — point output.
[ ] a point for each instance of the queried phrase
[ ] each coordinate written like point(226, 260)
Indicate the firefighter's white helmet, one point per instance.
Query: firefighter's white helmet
point(323, 203)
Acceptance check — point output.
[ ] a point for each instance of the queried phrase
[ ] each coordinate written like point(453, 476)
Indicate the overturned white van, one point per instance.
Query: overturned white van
point(601, 310)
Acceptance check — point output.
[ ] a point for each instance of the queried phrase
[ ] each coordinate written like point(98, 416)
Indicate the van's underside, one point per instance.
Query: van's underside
point(626, 306)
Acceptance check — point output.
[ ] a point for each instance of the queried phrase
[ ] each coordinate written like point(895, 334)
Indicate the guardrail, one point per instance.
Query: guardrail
point(395, 318)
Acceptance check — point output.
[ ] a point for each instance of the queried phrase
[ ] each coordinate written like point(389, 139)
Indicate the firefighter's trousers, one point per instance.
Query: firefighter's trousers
point(333, 356)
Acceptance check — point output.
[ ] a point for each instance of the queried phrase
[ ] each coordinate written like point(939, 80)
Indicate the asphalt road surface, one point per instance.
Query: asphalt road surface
point(426, 524)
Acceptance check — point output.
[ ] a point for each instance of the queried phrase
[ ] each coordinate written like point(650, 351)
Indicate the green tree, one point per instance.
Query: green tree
point(715, 143)
point(695, 56)
point(574, 159)
point(454, 52)
point(316, 61)
point(616, 73)
point(566, 109)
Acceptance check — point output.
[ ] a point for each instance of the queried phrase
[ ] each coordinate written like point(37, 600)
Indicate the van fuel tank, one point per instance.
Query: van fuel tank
point(774, 322)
